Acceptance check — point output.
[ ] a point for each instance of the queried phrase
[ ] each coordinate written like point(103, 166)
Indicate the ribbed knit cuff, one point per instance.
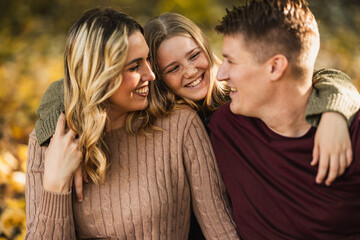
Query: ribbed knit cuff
point(52, 104)
point(335, 103)
point(45, 128)
point(55, 205)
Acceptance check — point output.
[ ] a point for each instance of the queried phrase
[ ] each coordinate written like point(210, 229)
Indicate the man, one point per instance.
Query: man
point(261, 139)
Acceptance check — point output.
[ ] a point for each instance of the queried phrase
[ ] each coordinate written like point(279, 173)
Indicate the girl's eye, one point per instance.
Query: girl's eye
point(194, 55)
point(173, 69)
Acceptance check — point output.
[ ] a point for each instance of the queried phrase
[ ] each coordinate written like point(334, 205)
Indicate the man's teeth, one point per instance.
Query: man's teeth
point(142, 90)
point(194, 83)
point(233, 89)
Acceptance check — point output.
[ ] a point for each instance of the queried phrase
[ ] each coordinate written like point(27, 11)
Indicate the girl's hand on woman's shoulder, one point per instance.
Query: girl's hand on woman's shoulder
point(62, 159)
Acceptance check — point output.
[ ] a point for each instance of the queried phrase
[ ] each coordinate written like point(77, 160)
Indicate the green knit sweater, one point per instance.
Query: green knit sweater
point(332, 90)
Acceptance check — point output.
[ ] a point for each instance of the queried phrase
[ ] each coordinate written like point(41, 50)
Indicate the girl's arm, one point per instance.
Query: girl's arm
point(335, 95)
point(208, 192)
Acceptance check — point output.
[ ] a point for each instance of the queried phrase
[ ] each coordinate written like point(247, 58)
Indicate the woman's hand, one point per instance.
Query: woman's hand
point(332, 147)
point(62, 159)
point(79, 178)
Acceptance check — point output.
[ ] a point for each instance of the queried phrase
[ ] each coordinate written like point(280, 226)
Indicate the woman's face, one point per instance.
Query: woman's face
point(134, 88)
point(184, 67)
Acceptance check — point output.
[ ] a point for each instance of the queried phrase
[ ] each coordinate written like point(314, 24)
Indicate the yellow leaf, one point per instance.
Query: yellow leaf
point(15, 203)
point(5, 170)
point(22, 151)
point(22, 235)
point(18, 181)
point(16, 131)
point(10, 160)
point(11, 218)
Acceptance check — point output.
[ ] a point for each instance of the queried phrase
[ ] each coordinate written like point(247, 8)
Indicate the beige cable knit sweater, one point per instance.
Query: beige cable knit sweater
point(151, 185)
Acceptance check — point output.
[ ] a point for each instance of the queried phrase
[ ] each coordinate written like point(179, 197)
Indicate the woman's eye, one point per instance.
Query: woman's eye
point(135, 68)
point(173, 69)
point(194, 55)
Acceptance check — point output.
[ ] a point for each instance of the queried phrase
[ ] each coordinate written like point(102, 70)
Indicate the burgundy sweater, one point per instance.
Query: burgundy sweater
point(272, 185)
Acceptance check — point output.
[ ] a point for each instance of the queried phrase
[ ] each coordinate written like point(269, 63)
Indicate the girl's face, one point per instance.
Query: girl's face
point(184, 67)
point(134, 88)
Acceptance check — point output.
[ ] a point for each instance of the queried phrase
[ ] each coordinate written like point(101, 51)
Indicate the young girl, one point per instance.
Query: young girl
point(145, 171)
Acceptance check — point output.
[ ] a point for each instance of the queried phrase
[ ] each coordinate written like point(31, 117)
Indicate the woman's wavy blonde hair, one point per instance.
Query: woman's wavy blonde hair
point(162, 98)
point(95, 54)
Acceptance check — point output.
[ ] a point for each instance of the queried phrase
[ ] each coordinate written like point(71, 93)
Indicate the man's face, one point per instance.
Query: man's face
point(244, 75)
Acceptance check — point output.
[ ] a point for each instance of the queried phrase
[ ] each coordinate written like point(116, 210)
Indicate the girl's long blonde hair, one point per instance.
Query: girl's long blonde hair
point(162, 99)
point(94, 58)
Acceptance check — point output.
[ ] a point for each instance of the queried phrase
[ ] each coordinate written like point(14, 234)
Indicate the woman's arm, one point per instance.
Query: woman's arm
point(51, 106)
point(48, 215)
point(209, 198)
point(334, 94)
point(48, 197)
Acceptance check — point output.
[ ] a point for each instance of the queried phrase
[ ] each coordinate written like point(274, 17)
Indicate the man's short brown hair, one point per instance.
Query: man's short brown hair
point(273, 27)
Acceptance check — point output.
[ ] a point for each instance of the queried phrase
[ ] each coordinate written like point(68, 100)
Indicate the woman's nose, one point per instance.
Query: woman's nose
point(149, 74)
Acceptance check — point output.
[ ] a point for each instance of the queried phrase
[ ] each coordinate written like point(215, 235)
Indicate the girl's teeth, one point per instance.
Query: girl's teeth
point(233, 89)
point(194, 83)
point(142, 90)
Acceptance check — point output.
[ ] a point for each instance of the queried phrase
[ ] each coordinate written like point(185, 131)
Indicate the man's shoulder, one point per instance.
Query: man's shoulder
point(355, 126)
point(224, 120)
point(356, 120)
point(224, 114)
point(221, 112)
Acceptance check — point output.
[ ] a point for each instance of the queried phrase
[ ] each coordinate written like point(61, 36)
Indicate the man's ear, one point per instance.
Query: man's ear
point(277, 66)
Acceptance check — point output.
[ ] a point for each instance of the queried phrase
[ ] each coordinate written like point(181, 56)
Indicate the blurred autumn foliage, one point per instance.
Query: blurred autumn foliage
point(32, 39)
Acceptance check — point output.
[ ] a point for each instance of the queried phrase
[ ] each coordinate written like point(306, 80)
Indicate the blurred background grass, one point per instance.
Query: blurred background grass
point(32, 39)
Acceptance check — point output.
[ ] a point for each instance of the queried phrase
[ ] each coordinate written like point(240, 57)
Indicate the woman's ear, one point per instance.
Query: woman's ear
point(277, 66)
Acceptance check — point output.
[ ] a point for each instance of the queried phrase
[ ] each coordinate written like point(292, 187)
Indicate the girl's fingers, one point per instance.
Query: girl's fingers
point(315, 159)
point(60, 125)
point(323, 168)
point(333, 170)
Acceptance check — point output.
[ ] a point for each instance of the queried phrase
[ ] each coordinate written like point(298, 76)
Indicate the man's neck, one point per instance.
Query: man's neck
point(286, 114)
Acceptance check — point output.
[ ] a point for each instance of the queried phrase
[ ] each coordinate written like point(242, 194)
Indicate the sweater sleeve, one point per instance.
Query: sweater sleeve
point(51, 106)
point(333, 91)
point(49, 215)
point(209, 198)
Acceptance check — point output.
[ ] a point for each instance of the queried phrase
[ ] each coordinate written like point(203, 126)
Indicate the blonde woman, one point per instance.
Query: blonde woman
point(185, 68)
point(144, 172)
